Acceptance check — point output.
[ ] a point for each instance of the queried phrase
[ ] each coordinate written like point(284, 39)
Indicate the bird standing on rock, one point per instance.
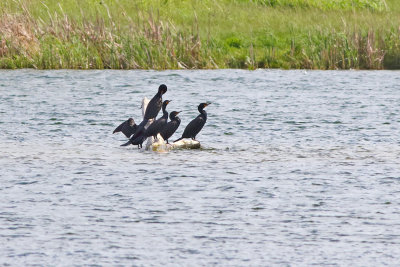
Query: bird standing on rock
point(154, 128)
point(153, 108)
point(195, 126)
point(171, 126)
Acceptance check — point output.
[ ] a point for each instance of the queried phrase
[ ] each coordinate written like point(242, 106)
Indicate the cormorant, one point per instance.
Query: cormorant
point(155, 103)
point(195, 126)
point(154, 128)
point(171, 126)
point(152, 110)
point(128, 128)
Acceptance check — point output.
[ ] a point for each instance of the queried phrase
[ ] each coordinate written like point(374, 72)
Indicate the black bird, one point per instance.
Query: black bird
point(155, 103)
point(152, 110)
point(154, 128)
point(128, 128)
point(138, 141)
point(195, 126)
point(171, 126)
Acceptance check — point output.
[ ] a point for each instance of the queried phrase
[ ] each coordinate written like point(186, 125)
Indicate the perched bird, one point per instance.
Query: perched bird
point(171, 126)
point(195, 126)
point(154, 128)
point(155, 103)
point(137, 142)
point(152, 110)
point(128, 127)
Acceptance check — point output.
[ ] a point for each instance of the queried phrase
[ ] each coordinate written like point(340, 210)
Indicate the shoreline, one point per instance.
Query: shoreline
point(170, 35)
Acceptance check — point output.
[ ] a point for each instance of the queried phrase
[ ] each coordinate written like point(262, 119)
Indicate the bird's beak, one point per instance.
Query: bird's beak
point(178, 112)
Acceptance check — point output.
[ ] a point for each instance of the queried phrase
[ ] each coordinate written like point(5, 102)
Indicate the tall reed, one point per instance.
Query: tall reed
point(124, 34)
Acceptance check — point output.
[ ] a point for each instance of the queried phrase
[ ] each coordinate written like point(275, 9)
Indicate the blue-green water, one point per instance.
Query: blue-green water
point(297, 168)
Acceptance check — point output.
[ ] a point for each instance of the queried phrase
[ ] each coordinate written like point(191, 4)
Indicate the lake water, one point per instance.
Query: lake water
point(296, 168)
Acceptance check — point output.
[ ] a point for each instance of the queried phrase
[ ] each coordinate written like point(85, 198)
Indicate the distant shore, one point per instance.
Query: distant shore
point(172, 34)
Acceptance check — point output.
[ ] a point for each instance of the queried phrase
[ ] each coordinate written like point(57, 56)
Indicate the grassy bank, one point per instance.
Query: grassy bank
point(171, 34)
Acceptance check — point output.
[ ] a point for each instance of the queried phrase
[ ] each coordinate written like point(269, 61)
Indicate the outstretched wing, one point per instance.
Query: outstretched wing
point(128, 130)
point(119, 128)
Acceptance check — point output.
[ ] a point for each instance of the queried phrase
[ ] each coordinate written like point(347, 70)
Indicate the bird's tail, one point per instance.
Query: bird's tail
point(138, 135)
point(127, 143)
point(138, 140)
point(135, 141)
point(178, 139)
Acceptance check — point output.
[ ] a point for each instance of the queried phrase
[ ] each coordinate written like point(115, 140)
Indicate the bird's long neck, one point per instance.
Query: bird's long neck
point(203, 112)
point(165, 112)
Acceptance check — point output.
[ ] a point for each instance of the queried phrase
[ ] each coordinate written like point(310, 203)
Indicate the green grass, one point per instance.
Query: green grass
point(376, 5)
point(171, 34)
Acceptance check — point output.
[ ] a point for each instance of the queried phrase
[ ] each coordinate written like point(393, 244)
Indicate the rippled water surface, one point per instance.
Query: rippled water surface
point(296, 168)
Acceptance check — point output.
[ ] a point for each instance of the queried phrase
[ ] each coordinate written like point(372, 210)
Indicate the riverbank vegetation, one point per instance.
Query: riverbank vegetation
point(172, 34)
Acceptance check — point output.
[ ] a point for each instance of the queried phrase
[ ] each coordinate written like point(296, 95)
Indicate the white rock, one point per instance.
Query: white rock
point(159, 144)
